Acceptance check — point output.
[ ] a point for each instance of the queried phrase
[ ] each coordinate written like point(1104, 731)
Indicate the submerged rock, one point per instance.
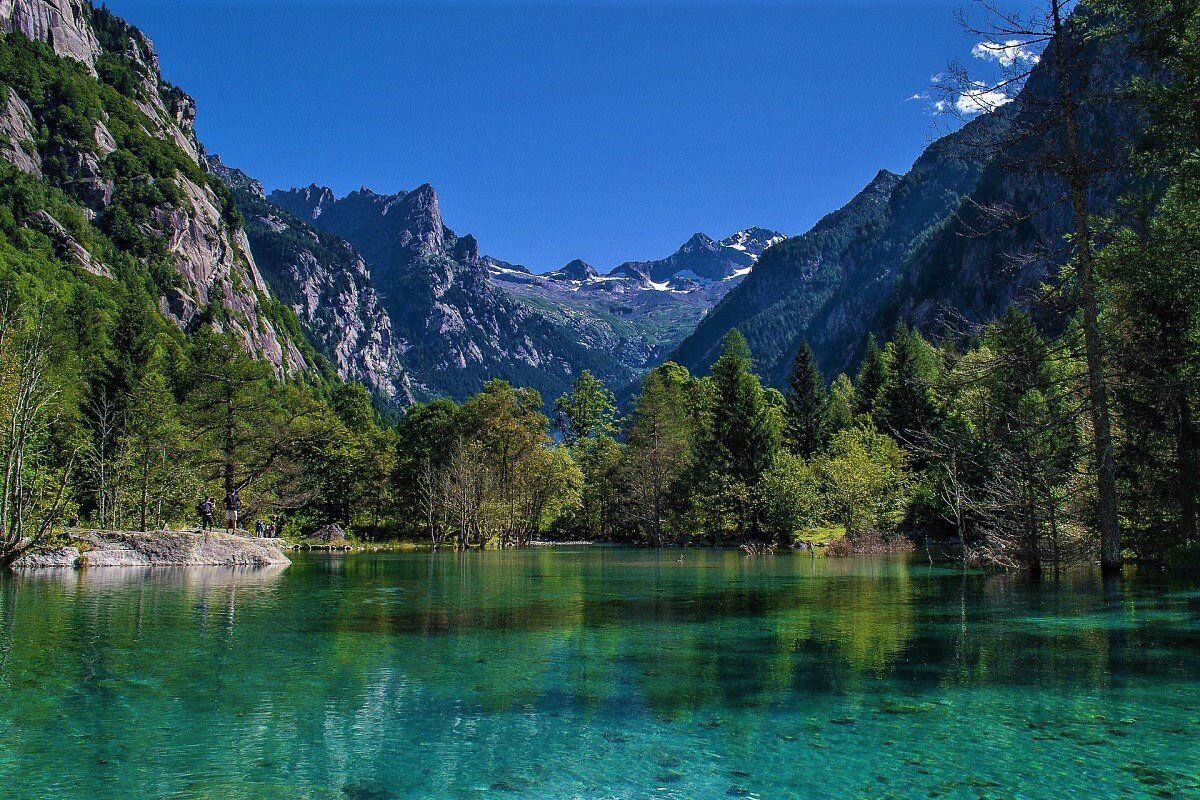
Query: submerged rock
point(366, 791)
point(902, 707)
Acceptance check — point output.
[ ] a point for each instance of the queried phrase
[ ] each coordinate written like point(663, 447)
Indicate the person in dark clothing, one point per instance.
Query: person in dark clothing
point(205, 511)
point(233, 504)
point(260, 528)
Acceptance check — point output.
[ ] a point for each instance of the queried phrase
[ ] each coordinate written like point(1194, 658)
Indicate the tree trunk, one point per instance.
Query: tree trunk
point(145, 494)
point(1110, 532)
point(230, 443)
point(1187, 467)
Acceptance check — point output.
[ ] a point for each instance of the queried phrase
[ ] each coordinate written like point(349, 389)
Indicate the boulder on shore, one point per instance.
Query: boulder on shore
point(157, 549)
point(330, 534)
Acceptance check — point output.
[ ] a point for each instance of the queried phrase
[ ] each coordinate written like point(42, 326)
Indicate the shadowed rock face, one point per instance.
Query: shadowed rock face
point(911, 249)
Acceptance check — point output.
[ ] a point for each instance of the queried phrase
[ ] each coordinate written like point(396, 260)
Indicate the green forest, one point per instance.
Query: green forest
point(1020, 444)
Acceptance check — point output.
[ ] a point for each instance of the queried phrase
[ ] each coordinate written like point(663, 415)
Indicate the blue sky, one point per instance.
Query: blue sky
point(607, 132)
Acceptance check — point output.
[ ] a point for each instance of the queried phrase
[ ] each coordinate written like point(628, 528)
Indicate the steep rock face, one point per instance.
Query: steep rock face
point(65, 246)
point(790, 281)
point(437, 288)
point(18, 143)
point(935, 255)
point(327, 284)
point(959, 278)
point(63, 24)
point(209, 254)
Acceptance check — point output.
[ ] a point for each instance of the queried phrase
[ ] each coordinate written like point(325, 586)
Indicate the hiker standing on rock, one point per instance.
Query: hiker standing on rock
point(205, 512)
point(233, 504)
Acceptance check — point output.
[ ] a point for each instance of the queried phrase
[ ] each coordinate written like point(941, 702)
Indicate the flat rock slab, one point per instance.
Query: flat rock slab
point(158, 549)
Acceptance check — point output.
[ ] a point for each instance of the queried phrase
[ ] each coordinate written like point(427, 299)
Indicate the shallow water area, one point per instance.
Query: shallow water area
point(596, 673)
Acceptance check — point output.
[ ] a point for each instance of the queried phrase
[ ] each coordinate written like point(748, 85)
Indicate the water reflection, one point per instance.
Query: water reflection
point(586, 673)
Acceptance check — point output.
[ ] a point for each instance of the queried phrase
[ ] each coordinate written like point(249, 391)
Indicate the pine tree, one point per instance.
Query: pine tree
point(870, 377)
point(661, 446)
point(804, 412)
point(904, 406)
point(1155, 314)
point(839, 408)
point(744, 433)
point(251, 426)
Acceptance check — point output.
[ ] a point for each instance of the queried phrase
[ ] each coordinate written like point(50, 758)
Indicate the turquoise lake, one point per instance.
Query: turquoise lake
point(597, 673)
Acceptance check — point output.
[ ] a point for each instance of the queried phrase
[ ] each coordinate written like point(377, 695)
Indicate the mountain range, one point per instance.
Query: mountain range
point(377, 288)
point(458, 317)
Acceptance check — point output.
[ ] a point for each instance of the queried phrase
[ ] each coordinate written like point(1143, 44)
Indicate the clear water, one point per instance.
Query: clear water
point(596, 673)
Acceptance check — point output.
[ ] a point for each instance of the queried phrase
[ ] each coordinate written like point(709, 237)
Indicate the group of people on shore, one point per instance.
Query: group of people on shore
point(206, 510)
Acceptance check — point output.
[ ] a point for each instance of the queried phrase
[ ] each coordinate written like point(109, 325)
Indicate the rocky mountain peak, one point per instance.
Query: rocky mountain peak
point(753, 241)
point(577, 270)
point(883, 183)
point(698, 241)
point(307, 203)
point(233, 177)
point(421, 216)
point(884, 176)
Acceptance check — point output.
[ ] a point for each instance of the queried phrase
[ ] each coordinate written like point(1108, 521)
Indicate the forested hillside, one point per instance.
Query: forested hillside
point(973, 226)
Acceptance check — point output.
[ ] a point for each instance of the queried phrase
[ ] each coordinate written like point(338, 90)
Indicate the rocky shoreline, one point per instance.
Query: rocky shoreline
point(91, 549)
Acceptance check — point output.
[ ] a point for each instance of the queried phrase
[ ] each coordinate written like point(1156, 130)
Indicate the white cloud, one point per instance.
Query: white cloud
point(1007, 53)
point(971, 103)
